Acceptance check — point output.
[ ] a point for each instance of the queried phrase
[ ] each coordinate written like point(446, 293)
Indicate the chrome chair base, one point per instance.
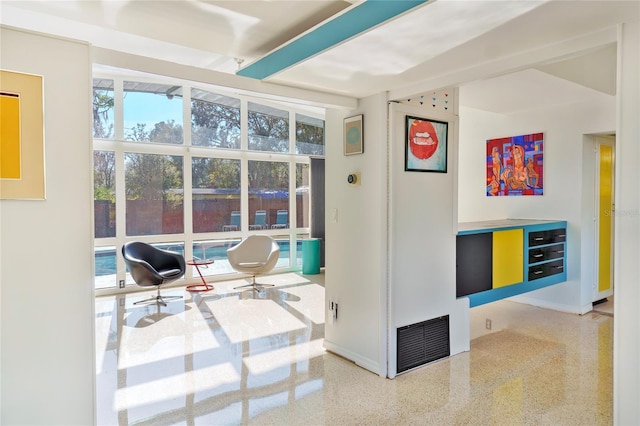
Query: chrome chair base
point(255, 286)
point(158, 299)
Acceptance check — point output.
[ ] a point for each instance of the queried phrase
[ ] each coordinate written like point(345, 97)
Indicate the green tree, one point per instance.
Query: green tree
point(104, 165)
point(138, 133)
point(302, 170)
point(215, 173)
point(215, 125)
point(268, 132)
point(271, 175)
point(167, 132)
point(312, 138)
point(102, 106)
point(153, 177)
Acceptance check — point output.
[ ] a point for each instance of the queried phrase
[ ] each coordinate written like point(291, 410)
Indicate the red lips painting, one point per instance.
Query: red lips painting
point(426, 145)
point(423, 140)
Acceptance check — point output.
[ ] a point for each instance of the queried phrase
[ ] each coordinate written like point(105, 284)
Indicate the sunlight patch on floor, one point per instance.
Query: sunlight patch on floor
point(314, 311)
point(176, 386)
point(267, 361)
point(244, 320)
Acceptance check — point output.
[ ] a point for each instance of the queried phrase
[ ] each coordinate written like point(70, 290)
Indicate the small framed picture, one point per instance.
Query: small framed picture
point(353, 136)
point(425, 145)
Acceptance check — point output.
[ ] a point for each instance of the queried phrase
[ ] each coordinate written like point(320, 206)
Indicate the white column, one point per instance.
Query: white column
point(626, 380)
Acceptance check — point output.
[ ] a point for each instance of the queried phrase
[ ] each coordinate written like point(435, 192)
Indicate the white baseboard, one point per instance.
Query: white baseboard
point(550, 305)
point(366, 363)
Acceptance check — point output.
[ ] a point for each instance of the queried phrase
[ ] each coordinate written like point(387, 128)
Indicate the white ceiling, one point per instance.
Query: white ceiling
point(525, 90)
point(431, 40)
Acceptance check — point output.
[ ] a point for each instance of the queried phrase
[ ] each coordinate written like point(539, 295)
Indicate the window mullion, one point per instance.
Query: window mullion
point(121, 198)
point(292, 132)
point(187, 204)
point(187, 181)
point(293, 209)
point(244, 164)
point(121, 214)
point(186, 115)
point(292, 167)
point(244, 125)
point(244, 194)
point(118, 109)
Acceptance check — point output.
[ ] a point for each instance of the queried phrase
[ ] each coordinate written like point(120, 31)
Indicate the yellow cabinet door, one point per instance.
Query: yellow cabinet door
point(508, 257)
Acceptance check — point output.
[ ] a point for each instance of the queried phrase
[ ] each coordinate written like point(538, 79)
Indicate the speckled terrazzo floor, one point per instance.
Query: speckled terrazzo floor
point(195, 362)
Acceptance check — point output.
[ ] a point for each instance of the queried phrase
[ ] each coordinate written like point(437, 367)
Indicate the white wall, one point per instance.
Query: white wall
point(564, 128)
point(356, 241)
point(422, 229)
point(388, 273)
point(47, 346)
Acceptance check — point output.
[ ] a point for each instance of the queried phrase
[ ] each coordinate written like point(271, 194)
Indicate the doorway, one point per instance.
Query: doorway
point(598, 221)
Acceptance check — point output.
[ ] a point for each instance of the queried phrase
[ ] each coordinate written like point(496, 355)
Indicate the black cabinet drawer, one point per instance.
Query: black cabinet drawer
point(542, 254)
point(540, 238)
point(546, 269)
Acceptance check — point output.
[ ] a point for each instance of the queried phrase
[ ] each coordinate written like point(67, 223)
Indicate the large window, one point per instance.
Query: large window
point(239, 167)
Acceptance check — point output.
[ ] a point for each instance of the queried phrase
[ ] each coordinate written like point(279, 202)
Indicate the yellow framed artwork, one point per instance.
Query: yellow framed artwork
point(21, 136)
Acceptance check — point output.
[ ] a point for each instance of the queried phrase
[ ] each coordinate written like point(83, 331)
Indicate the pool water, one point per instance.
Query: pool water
point(105, 257)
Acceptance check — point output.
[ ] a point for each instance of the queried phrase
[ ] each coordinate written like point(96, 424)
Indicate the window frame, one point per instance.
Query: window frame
point(120, 146)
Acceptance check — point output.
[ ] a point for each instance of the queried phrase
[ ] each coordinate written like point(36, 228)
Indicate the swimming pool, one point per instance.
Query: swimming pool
point(105, 257)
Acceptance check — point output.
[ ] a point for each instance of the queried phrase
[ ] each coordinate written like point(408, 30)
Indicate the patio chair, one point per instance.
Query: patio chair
point(151, 266)
point(234, 225)
point(282, 220)
point(256, 254)
point(260, 222)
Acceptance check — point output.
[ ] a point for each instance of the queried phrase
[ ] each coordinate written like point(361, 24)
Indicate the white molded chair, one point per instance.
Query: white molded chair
point(257, 254)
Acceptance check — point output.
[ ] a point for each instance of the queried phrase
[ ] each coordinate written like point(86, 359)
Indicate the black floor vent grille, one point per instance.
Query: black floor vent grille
point(422, 343)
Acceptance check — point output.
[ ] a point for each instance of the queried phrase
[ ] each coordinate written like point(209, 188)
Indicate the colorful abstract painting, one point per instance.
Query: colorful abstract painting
point(515, 166)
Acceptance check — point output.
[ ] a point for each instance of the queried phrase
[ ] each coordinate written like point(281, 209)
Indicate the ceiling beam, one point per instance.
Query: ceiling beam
point(354, 21)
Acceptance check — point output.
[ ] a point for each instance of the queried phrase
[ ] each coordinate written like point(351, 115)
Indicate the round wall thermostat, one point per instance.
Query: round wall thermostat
point(353, 178)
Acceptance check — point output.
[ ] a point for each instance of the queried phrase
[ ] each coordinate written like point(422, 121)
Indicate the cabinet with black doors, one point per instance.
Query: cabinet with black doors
point(500, 259)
